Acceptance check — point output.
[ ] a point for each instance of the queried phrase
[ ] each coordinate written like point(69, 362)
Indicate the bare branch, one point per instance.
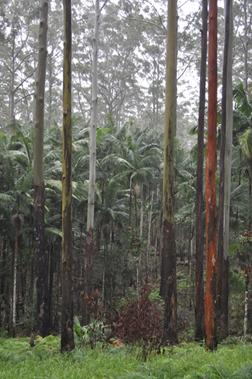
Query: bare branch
point(24, 80)
point(23, 97)
point(190, 60)
point(105, 2)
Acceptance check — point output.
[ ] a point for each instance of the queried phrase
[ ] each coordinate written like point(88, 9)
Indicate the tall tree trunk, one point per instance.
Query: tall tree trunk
point(148, 247)
point(12, 83)
point(199, 307)
point(211, 229)
point(168, 271)
point(92, 170)
point(39, 185)
point(225, 176)
point(14, 293)
point(17, 222)
point(141, 213)
point(67, 336)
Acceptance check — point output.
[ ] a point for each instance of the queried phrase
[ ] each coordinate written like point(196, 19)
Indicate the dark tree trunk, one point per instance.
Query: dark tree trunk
point(199, 306)
point(170, 283)
point(41, 265)
point(50, 297)
point(67, 335)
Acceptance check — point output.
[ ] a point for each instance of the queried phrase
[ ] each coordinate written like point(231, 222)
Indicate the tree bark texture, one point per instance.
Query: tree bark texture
point(168, 271)
point(67, 336)
point(88, 275)
point(199, 306)
point(41, 264)
point(39, 187)
point(92, 170)
point(225, 176)
point(211, 225)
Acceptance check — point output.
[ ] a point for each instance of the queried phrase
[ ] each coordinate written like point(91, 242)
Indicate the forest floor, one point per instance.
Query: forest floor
point(18, 359)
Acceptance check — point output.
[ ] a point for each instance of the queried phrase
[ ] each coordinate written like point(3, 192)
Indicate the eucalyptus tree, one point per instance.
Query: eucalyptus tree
point(211, 263)
point(39, 185)
point(53, 103)
point(92, 166)
point(67, 336)
point(168, 270)
point(199, 307)
point(225, 174)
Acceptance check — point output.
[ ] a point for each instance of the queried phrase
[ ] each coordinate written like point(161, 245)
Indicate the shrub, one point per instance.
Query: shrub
point(140, 323)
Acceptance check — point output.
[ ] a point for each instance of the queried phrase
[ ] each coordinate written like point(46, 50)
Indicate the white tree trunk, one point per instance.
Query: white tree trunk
point(93, 125)
point(141, 214)
point(149, 232)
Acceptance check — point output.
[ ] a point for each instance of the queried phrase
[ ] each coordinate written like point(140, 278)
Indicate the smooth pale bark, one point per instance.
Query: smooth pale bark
point(39, 186)
point(141, 215)
point(199, 306)
point(148, 248)
point(225, 174)
point(168, 270)
point(12, 89)
point(211, 224)
point(92, 171)
point(67, 335)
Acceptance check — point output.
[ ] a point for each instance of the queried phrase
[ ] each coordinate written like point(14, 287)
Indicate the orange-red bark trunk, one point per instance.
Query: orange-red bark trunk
point(211, 226)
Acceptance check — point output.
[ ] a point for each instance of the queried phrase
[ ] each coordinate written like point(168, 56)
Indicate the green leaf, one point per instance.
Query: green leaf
point(54, 231)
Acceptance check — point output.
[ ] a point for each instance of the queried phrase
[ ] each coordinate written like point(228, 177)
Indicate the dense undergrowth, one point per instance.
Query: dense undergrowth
point(18, 359)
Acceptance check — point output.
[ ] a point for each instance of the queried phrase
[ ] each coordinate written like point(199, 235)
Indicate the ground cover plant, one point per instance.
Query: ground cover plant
point(41, 358)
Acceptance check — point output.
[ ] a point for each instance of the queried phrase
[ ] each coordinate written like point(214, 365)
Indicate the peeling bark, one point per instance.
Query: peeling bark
point(211, 226)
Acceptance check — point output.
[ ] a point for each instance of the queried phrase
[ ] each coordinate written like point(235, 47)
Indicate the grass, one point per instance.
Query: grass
point(19, 360)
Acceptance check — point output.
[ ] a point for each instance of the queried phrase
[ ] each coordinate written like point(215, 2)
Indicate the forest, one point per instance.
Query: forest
point(125, 176)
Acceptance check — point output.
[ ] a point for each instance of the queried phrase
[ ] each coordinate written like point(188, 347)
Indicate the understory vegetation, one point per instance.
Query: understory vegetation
point(18, 359)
